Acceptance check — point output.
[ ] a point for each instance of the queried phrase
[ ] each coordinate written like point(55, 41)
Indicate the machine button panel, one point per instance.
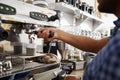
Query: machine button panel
point(38, 16)
point(6, 9)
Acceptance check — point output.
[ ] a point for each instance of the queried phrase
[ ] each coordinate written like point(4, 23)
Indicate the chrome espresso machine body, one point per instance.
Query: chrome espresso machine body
point(19, 19)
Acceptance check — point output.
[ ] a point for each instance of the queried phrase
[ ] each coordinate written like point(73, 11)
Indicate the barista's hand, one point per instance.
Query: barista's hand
point(44, 33)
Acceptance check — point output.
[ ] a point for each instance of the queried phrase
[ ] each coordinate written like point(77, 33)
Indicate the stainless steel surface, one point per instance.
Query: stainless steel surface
point(32, 67)
point(7, 64)
point(26, 66)
point(1, 68)
point(48, 75)
point(5, 67)
point(79, 65)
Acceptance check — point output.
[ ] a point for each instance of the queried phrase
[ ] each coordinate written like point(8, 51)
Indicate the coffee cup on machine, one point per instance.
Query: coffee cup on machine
point(31, 49)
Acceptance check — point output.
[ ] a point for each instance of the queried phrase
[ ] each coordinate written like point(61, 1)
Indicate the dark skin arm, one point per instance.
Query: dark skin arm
point(80, 42)
point(84, 43)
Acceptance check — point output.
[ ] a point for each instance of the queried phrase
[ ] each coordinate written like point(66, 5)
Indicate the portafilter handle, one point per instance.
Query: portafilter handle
point(3, 34)
point(51, 34)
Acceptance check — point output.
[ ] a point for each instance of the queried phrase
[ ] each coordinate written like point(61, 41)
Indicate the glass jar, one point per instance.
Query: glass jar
point(69, 55)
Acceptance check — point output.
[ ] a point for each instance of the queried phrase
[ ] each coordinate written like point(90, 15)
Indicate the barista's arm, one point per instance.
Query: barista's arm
point(81, 42)
point(84, 43)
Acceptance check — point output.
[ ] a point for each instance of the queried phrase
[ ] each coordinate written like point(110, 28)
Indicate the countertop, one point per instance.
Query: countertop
point(77, 72)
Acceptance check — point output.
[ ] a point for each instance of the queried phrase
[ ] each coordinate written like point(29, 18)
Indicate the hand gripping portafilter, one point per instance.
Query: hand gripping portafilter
point(51, 34)
point(3, 34)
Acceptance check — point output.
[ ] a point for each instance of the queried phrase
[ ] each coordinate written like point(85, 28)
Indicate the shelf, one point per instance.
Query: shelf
point(91, 16)
point(38, 55)
point(70, 9)
point(63, 7)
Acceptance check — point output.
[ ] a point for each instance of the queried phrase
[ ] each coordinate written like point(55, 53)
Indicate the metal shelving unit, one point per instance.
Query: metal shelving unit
point(84, 16)
point(70, 9)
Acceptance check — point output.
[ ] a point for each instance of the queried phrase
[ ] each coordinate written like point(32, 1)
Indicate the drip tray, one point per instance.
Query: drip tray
point(26, 66)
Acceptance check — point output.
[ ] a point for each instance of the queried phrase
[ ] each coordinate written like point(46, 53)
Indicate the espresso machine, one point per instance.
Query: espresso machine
point(19, 23)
